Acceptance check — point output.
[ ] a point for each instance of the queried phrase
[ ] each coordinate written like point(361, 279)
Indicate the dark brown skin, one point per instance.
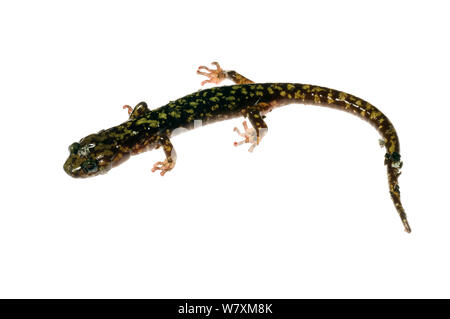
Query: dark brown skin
point(148, 129)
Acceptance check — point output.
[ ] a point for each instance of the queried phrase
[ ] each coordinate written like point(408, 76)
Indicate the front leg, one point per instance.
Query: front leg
point(218, 75)
point(139, 110)
point(171, 156)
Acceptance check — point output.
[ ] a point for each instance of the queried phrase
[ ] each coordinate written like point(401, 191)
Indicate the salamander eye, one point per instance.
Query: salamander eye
point(90, 166)
point(73, 149)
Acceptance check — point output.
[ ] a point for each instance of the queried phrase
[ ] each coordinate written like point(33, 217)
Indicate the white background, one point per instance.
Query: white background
point(307, 215)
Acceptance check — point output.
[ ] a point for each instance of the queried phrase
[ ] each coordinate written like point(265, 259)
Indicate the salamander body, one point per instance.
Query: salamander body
point(149, 129)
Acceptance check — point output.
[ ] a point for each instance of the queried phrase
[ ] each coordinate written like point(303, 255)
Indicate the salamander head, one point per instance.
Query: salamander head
point(95, 154)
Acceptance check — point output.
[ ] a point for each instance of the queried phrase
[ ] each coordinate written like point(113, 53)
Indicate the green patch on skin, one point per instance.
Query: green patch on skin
point(153, 123)
point(374, 115)
point(230, 98)
point(141, 121)
point(215, 107)
point(317, 89)
point(342, 96)
point(299, 94)
point(162, 115)
point(330, 98)
point(175, 114)
point(392, 147)
point(190, 111)
point(269, 89)
point(214, 99)
point(290, 87)
point(316, 98)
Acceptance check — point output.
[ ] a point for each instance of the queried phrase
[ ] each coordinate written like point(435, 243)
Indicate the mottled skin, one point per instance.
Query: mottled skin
point(148, 129)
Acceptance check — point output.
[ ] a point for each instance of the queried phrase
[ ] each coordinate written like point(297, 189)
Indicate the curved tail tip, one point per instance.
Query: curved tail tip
point(407, 228)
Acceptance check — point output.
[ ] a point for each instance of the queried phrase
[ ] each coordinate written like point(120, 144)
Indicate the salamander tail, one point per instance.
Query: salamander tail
point(394, 164)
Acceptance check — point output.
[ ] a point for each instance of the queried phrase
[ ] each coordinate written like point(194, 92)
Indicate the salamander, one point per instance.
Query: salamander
point(148, 129)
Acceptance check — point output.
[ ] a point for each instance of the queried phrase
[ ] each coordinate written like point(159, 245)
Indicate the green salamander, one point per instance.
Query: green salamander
point(150, 129)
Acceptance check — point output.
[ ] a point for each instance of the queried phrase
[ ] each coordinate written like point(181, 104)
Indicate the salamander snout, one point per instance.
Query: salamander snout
point(89, 157)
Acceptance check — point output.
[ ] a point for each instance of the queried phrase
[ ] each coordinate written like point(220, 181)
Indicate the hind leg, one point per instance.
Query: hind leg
point(252, 135)
point(218, 75)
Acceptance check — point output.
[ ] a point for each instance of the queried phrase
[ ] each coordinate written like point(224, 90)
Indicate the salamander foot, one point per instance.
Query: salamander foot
point(164, 167)
point(214, 76)
point(249, 136)
point(130, 109)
